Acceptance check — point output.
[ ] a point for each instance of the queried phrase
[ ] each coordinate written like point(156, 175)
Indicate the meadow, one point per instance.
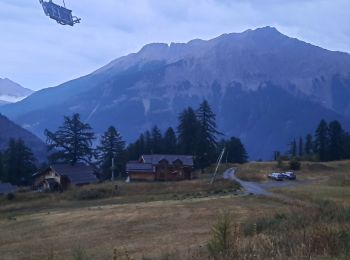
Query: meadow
point(185, 220)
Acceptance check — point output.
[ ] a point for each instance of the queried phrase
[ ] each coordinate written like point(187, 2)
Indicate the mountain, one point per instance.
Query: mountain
point(265, 88)
point(11, 92)
point(9, 130)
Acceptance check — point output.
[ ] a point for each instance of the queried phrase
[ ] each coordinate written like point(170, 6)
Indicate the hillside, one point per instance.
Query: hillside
point(12, 92)
point(10, 130)
point(265, 88)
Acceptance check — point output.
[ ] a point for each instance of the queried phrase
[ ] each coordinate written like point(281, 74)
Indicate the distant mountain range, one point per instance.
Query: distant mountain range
point(265, 87)
point(11, 92)
point(9, 130)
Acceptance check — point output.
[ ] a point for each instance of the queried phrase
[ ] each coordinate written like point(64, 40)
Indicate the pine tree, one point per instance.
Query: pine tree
point(156, 140)
point(188, 130)
point(72, 142)
point(170, 141)
point(346, 145)
point(235, 151)
point(19, 163)
point(148, 142)
point(301, 147)
point(140, 146)
point(293, 148)
point(321, 141)
point(336, 138)
point(111, 147)
point(208, 133)
point(308, 145)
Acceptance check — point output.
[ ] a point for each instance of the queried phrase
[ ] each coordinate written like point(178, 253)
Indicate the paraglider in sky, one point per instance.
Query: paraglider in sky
point(60, 14)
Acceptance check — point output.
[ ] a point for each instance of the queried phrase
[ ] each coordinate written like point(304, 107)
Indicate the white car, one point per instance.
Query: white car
point(276, 176)
point(289, 175)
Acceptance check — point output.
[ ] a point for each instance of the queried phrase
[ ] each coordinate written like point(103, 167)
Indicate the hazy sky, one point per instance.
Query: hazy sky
point(37, 52)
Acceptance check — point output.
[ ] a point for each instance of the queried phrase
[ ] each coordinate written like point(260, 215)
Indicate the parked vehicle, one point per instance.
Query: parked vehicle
point(289, 175)
point(276, 176)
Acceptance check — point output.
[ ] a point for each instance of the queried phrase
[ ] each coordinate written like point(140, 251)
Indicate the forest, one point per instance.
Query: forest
point(74, 141)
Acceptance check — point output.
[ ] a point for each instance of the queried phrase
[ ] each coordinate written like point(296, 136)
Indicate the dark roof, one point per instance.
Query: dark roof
point(154, 159)
point(77, 174)
point(139, 167)
point(7, 188)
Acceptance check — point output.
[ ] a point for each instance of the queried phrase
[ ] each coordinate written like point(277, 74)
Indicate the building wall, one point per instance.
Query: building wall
point(48, 175)
point(173, 173)
point(142, 176)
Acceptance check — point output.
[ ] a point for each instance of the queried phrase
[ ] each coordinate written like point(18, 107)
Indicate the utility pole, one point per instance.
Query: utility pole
point(217, 165)
point(113, 169)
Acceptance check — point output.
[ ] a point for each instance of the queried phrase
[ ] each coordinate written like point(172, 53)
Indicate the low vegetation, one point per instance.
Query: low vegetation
point(118, 193)
point(185, 220)
point(318, 232)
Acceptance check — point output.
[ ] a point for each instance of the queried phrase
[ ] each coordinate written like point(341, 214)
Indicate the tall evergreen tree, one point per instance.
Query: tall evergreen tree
point(140, 146)
point(235, 151)
point(188, 130)
point(336, 138)
point(293, 148)
point(207, 138)
point(148, 142)
point(111, 148)
point(301, 147)
point(19, 163)
point(72, 142)
point(156, 140)
point(321, 141)
point(170, 141)
point(346, 145)
point(308, 144)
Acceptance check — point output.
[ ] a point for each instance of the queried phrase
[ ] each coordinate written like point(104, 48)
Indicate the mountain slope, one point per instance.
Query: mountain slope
point(9, 130)
point(264, 86)
point(12, 92)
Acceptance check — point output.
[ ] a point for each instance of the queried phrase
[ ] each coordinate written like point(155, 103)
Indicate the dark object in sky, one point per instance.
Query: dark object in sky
point(61, 14)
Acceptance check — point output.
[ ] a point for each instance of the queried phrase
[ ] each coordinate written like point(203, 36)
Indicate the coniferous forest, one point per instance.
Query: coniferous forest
point(329, 142)
point(74, 141)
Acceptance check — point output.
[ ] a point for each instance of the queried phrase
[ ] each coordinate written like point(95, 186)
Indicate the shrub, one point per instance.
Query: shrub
point(224, 240)
point(10, 196)
point(94, 193)
point(294, 164)
point(78, 253)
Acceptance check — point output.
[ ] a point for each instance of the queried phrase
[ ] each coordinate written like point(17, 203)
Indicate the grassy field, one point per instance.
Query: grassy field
point(175, 220)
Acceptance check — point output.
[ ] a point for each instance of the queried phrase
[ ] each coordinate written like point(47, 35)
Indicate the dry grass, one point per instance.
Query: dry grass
point(168, 220)
point(256, 171)
point(143, 228)
point(115, 193)
point(326, 181)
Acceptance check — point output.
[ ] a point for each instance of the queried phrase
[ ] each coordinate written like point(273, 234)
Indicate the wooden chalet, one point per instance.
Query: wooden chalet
point(61, 176)
point(161, 168)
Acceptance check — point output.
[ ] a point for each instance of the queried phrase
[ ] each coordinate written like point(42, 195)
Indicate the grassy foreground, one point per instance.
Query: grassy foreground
point(185, 220)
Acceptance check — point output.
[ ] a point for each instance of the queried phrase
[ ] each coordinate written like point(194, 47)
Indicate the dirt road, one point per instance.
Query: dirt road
point(256, 188)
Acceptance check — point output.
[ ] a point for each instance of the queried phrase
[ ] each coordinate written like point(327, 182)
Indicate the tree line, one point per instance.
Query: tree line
point(196, 134)
point(75, 141)
point(17, 163)
point(330, 142)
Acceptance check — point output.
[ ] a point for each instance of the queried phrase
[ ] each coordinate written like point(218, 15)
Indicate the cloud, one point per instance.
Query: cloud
point(37, 52)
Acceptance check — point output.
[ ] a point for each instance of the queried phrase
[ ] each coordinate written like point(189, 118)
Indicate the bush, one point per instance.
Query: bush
point(221, 233)
point(94, 193)
point(294, 164)
point(224, 240)
point(10, 196)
